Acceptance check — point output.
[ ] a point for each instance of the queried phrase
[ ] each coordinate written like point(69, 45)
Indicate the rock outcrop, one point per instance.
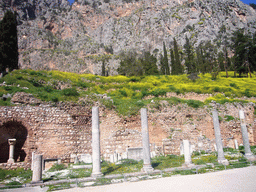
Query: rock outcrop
point(56, 35)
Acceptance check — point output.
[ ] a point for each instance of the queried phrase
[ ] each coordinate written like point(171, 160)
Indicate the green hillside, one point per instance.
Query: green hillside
point(127, 93)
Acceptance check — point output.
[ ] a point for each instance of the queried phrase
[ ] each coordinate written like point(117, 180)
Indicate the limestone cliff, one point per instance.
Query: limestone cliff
point(56, 35)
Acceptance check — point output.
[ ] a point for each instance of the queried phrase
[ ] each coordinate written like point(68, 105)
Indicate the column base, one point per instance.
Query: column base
point(250, 157)
point(147, 168)
point(223, 162)
point(36, 182)
point(96, 175)
point(189, 165)
point(10, 161)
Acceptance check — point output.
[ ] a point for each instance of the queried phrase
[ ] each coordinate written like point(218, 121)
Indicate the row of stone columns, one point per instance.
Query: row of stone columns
point(96, 168)
point(147, 167)
point(247, 149)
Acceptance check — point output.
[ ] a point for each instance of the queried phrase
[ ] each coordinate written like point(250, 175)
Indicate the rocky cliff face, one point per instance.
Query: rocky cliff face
point(55, 35)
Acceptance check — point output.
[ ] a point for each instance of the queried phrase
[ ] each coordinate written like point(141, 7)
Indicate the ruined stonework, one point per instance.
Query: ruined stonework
point(52, 131)
point(63, 130)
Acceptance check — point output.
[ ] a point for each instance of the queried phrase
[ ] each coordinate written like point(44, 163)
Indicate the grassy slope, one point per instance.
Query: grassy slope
point(126, 92)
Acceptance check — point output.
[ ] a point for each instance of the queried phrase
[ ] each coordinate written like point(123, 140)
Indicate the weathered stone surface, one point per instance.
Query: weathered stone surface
point(55, 35)
point(24, 98)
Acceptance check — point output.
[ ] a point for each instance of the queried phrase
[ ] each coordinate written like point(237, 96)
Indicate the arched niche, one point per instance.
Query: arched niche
point(12, 130)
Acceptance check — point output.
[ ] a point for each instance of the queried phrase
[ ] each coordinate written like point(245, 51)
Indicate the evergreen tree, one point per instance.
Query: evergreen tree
point(207, 58)
point(133, 64)
point(172, 62)
point(129, 65)
point(165, 61)
point(162, 66)
point(210, 53)
point(253, 5)
point(252, 53)
point(221, 60)
point(8, 42)
point(103, 68)
point(148, 62)
point(240, 46)
point(189, 57)
point(177, 67)
point(199, 58)
point(227, 60)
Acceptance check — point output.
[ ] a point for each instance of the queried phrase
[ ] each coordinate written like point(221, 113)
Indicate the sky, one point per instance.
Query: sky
point(71, 1)
point(245, 1)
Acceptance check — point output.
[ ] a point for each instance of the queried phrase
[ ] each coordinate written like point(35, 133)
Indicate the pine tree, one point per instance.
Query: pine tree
point(129, 65)
point(221, 61)
point(200, 58)
point(227, 61)
point(8, 42)
point(165, 60)
point(162, 66)
point(173, 67)
point(178, 68)
point(253, 5)
point(103, 68)
point(240, 46)
point(189, 58)
point(252, 53)
point(148, 62)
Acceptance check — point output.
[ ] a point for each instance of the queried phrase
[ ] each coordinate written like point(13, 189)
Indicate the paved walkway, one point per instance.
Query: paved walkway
point(235, 180)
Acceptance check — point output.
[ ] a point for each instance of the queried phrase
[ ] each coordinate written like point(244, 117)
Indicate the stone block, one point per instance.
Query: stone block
point(135, 153)
point(86, 158)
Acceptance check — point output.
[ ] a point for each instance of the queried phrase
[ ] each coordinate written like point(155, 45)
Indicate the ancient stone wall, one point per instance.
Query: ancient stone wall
point(65, 129)
point(52, 131)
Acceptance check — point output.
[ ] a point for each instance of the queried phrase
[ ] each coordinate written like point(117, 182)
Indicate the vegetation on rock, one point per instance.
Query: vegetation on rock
point(126, 94)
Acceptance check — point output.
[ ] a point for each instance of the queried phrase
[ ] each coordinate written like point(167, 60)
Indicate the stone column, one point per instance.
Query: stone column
point(187, 153)
point(37, 169)
point(236, 144)
point(221, 158)
point(248, 154)
point(11, 142)
point(96, 168)
point(32, 161)
point(145, 142)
